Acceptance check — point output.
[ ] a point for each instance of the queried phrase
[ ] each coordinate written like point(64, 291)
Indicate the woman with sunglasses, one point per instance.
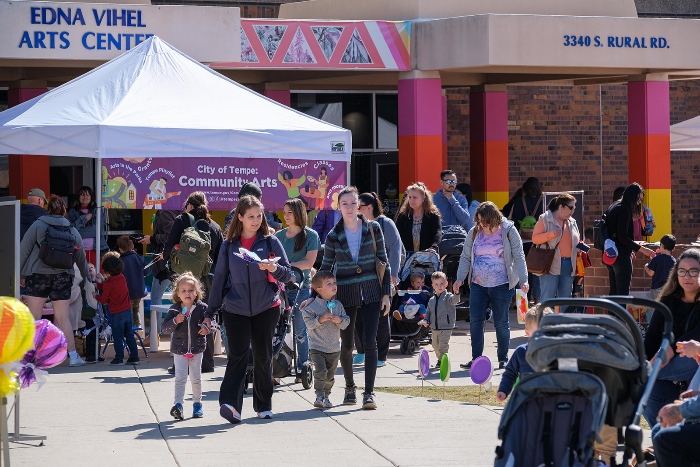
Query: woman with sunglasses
point(619, 220)
point(557, 228)
point(681, 294)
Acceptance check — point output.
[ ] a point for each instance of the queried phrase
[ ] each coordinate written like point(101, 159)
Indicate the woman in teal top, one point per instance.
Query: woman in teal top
point(301, 245)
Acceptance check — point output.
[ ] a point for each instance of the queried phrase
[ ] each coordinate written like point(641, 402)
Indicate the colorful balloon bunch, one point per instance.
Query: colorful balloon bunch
point(50, 348)
point(16, 338)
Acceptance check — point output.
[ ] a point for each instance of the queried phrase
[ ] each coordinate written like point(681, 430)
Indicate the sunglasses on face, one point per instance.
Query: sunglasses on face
point(688, 272)
point(450, 182)
point(571, 208)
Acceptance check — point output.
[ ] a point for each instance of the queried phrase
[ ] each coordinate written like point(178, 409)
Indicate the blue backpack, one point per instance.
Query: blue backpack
point(648, 224)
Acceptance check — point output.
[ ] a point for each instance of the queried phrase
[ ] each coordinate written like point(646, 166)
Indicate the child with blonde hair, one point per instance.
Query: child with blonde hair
point(185, 321)
point(518, 366)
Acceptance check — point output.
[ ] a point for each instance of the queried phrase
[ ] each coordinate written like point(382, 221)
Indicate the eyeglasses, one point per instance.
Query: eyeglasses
point(450, 182)
point(570, 207)
point(688, 272)
point(364, 205)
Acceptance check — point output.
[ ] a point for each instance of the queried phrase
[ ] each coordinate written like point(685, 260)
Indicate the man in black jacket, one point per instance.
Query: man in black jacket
point(30, 212)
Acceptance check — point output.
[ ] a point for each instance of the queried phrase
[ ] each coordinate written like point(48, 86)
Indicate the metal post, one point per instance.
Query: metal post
point(16, 436)
point(98, 211)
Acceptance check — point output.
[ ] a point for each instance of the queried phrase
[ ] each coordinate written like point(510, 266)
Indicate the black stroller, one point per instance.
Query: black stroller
point(284, 352)
point(412, 335)
point(590, 370)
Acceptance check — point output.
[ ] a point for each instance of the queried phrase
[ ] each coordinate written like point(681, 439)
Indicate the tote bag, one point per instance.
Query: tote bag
point(539, 258)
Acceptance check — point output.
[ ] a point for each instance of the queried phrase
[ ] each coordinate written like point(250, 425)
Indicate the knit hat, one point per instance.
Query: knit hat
point(250, 188)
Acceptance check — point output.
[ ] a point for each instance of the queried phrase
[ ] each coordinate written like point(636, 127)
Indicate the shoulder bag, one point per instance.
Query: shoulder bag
point(539, 258)
point(380, 265)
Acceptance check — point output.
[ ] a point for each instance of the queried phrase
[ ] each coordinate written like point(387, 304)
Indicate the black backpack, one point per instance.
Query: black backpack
point(57, 250)
point(452, 241)
point(601, 231)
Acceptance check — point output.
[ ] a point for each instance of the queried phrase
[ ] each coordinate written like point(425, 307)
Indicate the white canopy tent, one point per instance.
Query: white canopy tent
point(685, 136)
point(154, 101)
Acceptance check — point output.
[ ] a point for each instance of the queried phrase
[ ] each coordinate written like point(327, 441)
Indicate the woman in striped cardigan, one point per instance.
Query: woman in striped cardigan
point(349, 252)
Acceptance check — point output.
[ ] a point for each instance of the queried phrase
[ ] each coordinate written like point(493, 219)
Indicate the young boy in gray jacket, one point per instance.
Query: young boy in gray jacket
point(324, 318)
point(441, 315)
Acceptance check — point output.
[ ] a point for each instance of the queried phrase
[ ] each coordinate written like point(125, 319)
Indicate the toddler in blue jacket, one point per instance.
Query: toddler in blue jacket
point(518, 366)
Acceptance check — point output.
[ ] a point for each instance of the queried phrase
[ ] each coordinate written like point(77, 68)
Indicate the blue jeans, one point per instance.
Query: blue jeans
point(664, 390)
point(158, 288)
point(123, 328)
point(479, 298)
point(300, 326)
point(676, 445)
point(560, 286)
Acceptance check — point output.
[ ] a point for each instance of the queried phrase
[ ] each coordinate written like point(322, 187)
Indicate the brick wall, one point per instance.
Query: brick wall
point(555, 135)
point(596, 282)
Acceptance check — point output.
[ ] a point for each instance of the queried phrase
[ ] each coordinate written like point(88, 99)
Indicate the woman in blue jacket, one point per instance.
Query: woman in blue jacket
point(251, 306)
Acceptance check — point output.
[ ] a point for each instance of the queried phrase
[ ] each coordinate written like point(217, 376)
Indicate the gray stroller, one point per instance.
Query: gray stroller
point(589, 370)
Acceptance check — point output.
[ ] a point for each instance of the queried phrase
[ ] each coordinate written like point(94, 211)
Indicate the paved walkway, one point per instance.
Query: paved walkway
point(113, 416)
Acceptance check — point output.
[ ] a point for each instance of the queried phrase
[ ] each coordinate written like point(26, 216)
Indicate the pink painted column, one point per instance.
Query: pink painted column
point(488, 133)
point(27, 172)
point(421, 119)
point(444, 129)
point(649, 145)
point(279, 95)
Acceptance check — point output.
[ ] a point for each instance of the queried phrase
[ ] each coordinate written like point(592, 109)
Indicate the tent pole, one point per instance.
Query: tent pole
point(98, 211)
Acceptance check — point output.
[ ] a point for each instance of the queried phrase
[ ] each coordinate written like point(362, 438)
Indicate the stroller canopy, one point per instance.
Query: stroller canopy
point(599, 339)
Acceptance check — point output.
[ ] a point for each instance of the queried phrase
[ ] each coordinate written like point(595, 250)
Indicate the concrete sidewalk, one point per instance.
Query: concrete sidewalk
point(120, 416)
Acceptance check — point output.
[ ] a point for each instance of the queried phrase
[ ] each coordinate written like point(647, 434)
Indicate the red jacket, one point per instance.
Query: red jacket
point(115, 294)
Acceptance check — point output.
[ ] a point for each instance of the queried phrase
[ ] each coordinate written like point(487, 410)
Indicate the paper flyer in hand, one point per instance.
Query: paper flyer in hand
point(251, 257)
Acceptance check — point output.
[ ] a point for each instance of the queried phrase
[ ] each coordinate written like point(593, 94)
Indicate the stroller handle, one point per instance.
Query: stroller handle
point(297, 279)
point(607, 304)
point(630, 300)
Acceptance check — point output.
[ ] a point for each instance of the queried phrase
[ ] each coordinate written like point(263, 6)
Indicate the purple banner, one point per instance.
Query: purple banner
point(166, 183)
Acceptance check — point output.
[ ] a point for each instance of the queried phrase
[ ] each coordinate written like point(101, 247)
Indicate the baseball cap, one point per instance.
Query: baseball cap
point(37, 192)
point(609, 260)
point(610, 252)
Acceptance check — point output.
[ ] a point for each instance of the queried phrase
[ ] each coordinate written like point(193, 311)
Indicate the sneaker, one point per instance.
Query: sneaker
point(437, 365)
point(381, 363)
point(197, 410)
point(397, 315)
point(76, 361)
point(466, 366)
point(319, 402)
point(265, 415)
point(176, 411)
point(171, 370)
point(117, 361)
point(502, 364)
point(358, 359)
point(230, 414)
point(133, 361)
point(350, 396)
point(368, 401)
point(92, 360)
point(327, 403)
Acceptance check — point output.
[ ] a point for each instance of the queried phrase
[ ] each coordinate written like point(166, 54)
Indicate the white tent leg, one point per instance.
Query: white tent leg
point(98, 211)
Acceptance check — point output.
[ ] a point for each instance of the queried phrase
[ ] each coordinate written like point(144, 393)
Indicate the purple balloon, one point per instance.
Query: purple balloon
point(50, 348)
point(481, 370)
point(424, 363)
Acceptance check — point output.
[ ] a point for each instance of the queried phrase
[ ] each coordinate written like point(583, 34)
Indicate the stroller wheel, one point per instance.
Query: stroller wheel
point(404, 345)
point(307, 375)
point(411, 348)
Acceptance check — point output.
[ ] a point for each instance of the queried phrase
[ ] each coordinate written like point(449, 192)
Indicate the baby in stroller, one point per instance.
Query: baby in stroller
point(413, 305)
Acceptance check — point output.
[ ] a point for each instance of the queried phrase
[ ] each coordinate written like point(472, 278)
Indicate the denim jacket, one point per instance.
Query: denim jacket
point(690, 409)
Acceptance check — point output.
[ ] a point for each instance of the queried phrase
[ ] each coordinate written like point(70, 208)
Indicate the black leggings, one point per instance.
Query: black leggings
point(620, 274)
point(370, 318)
point(383, 336)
